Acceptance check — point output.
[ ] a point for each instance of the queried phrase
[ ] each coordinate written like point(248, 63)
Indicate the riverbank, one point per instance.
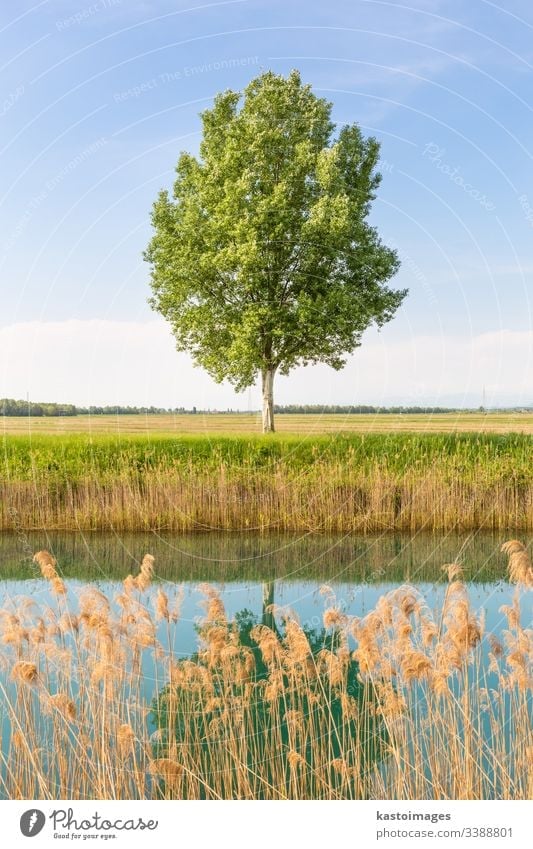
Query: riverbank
point(342, 483)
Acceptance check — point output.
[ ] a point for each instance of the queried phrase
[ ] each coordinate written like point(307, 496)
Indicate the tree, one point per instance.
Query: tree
point(264, 259)
point(248, 693)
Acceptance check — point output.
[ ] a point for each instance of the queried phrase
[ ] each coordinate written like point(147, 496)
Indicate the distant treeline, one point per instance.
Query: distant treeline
point(10, 407)
point(314, 409)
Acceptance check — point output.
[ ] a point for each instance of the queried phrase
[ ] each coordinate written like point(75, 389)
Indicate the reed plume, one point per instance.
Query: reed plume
point(520, 568)
point(399, 704)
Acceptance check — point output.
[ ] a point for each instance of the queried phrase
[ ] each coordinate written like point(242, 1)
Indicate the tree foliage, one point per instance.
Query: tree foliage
point(263, 259)
point(187, 716)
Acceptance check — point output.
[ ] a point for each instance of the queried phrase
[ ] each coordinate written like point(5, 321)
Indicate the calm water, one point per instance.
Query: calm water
point(288, 569)
point(359, 569)
point(252, 557)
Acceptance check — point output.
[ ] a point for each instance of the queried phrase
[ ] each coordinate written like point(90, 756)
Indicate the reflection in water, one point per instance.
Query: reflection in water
point(263, 573)
point(302, 598)
point(96, 655)
point(111, 646)
point(233, 557)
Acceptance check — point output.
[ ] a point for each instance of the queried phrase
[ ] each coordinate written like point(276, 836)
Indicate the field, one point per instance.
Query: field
point(246, 424)
point(331, 483)
point(402, 703)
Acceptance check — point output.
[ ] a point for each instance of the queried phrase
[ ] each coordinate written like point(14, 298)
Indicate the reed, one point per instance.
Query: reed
point(405, 703)
point(342, 483)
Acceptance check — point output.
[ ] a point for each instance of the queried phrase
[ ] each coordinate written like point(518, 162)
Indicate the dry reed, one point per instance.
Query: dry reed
point(267, 714)
point(364, 483)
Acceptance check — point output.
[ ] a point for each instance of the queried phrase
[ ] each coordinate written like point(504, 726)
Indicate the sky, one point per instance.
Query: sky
point(97, 100)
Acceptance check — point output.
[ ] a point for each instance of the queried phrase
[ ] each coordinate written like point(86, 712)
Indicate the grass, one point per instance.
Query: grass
point(337, 483)
point(404, 703)
point(245, 424)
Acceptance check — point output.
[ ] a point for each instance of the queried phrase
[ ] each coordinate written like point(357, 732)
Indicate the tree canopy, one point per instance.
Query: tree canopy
point(263, 259)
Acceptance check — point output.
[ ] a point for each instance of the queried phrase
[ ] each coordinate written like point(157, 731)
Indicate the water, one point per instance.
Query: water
point(359, 569)
point(288, 570)
point(251, 558)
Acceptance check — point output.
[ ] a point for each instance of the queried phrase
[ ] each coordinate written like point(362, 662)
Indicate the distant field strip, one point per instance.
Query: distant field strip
point(338, 483)
point(251, 423)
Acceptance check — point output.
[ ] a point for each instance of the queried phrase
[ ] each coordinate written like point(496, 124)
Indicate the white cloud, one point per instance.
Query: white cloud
point(108, 362)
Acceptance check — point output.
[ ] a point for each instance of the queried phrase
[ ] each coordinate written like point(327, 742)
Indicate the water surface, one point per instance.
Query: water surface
point(251, 570)
point(291, 567)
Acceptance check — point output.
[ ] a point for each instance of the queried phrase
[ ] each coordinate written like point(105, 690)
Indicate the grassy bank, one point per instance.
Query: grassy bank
point(371, 482)
point(406, 703)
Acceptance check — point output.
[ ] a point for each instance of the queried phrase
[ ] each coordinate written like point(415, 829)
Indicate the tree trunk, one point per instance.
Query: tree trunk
point(268, 617)
point(268, 400)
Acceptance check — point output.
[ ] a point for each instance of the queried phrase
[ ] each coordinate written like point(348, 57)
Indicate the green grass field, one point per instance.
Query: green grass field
point(106, 455)
point(245, 423)
point(337, 482)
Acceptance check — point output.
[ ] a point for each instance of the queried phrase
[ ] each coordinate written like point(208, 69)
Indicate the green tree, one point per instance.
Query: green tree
point(184, 716)
point(264, 259)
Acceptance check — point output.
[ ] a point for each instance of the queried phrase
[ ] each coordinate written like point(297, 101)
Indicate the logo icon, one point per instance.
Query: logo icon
point(32, 822)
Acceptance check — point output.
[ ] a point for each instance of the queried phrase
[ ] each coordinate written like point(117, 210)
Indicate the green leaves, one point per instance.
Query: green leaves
point(263, 257)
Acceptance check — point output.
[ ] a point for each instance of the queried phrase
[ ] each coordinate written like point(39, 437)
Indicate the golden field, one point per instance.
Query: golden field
point(246, 423)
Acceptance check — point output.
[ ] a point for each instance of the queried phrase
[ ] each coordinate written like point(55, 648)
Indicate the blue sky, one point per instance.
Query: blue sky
point(97, 100)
